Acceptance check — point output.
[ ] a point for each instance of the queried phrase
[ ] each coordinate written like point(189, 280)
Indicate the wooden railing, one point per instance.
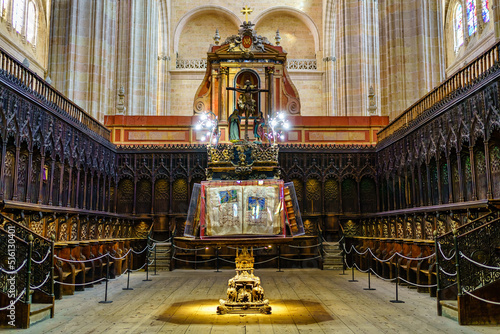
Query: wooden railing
point(461, 79)
point(30, 81)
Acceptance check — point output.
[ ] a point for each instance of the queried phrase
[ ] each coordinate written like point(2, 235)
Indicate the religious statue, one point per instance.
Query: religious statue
point(246, 103)
point(234, 126)
point(258, 127)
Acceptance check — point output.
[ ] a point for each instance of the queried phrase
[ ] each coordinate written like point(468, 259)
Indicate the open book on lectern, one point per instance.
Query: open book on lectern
point(243, 209)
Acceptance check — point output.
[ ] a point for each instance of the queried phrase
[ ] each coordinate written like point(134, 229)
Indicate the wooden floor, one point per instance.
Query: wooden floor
point(303, 300)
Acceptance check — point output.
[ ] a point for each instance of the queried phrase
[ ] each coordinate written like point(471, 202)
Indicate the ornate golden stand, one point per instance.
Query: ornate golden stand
point(244, 291)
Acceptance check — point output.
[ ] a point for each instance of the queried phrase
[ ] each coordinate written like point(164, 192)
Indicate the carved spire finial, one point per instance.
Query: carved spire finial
point(216, 37)
point(277, 37)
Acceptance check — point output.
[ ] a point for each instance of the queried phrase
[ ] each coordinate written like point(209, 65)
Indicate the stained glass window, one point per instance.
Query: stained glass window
point(486, 11)
point(18, 14)
point(471, 16)
point(459, 32)
point(31, 23)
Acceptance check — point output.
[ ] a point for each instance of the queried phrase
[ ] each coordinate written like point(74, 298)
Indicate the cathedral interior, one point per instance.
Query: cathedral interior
point(390, 149)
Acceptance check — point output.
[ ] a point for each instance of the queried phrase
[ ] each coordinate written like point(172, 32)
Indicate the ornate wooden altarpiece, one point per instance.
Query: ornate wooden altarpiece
point(243, 182)
point(244, 203)
point(241, 58)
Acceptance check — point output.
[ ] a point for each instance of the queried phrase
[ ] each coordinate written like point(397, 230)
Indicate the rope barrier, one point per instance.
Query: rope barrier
point(81, 261)
point(134, 270)
point(81, 284)
point(392, 279)
point(12, 303)
point(157, 241)
point(189, 249)
point(359, 269)
point(382, 278)
point(117, 277)
point(292, 246)
point(39, 286)
point(444, 256)
point(390, 258)
point(13, 272)
point(229, 261)
point(44, 258)
point(345, 250)
point(447, 273)
point(383, 260)
point(142, 251)
point(204, 261)
point(268, 260)
point(482, 299)
point(311, 258)
point(417, 258)
point(477, 263)
point(417, 285)
point(120, 258)
point(346, 264)
point(359, 253)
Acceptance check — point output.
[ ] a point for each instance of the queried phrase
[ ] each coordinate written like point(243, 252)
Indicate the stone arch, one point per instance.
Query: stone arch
point(199, 11)
point(296, 13)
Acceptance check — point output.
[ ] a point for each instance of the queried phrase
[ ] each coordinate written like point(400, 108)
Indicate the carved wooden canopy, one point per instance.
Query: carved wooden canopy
point(246, 56)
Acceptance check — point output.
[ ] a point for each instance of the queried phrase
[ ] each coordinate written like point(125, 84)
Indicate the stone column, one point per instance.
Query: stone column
point(164, 58)
point(356, 56)
point(411, 43)
point(495, 16)
point(83, 50)
point(137, 55)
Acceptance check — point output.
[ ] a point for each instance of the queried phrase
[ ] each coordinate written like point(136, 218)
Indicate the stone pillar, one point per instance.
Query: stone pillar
point(164, 57)
point(495, 16)
point(356, 59)
point(137, 55)
point(83, 50)
point(411, 52)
